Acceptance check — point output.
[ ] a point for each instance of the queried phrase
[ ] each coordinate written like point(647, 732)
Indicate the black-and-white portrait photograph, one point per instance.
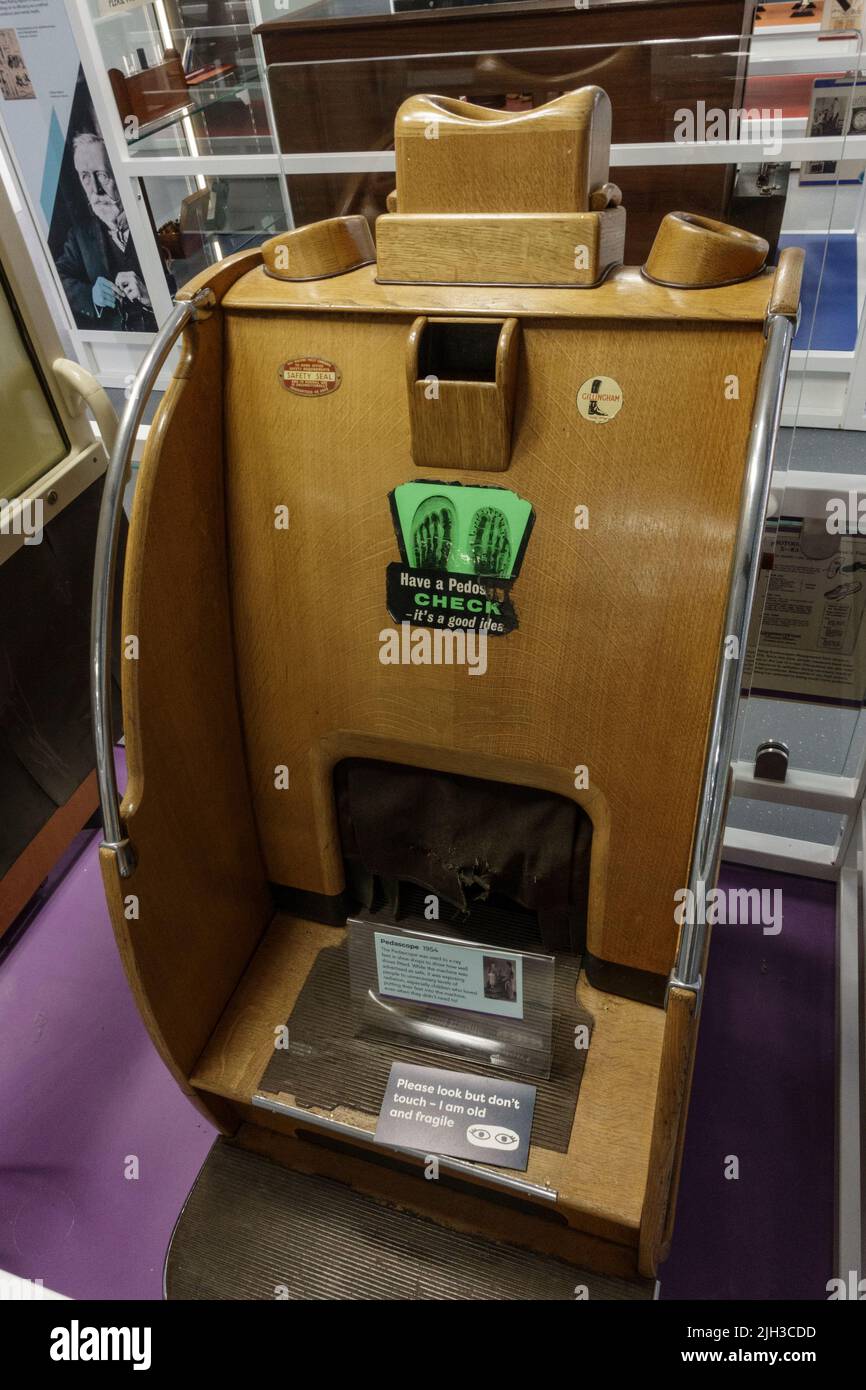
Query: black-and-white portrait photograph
point(89, 235)
point(500, 978)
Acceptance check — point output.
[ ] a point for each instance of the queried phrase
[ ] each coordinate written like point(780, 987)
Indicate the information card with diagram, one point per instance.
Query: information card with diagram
point(809, 609)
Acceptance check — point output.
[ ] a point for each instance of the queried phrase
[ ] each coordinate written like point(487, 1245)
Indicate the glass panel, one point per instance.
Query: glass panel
point(808, 644)
point(821, 738)
point(349, 105)
point(789, 822)
point(33, 442)
point(221, 118)
point(463, 998)
point(314, 197)
point(200, 220)
point(185, 77)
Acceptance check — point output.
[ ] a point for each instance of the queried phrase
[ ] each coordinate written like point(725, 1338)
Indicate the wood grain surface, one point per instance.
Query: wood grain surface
point(625, 294)
point(192, 912)
point(668, 1133)
point(619, 624)
point(325, 248)
point(785, 298)
point(698, 252)
point(457, 157)
point(465, 1204)
point(465, 424)
point(509, 249)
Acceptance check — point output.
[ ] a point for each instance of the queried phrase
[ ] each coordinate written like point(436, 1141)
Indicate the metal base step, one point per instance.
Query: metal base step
point(254, 1229)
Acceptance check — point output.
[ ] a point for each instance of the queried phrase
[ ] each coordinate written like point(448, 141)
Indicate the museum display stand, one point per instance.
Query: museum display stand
point(282, 775)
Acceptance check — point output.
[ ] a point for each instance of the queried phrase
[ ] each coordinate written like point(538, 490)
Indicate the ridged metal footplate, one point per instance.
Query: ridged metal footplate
point(252, 1229)
point(327, 1064)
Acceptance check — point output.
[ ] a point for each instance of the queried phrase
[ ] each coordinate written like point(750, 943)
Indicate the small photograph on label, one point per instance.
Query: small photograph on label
point(599, 399)
point(500, 978)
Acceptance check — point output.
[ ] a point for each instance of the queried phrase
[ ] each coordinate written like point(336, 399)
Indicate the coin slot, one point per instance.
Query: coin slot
point(459, 350)
point(461, 376)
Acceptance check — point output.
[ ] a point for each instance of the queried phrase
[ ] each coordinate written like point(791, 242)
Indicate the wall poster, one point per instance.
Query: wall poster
point(838, 107)
point(52, 129)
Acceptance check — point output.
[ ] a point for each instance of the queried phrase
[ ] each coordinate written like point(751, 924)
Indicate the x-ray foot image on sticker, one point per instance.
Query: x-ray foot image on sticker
point(433, 528)
point(490, 542)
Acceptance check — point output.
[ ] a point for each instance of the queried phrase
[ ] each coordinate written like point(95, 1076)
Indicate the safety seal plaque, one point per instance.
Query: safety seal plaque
point(310, 376)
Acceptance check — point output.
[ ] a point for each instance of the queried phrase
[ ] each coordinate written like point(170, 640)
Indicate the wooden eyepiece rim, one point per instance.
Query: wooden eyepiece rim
point(691, 251)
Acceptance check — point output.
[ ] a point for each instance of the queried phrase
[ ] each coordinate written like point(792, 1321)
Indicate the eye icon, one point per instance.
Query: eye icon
point(492, 1137)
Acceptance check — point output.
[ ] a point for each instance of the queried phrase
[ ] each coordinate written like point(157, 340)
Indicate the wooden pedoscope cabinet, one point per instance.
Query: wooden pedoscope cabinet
point(326, 105)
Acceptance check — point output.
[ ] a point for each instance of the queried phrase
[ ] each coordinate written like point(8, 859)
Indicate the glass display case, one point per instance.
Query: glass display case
point(338, 72)
point(184, 76)
point(807, 663)
point(181, 104)
point(202, 220)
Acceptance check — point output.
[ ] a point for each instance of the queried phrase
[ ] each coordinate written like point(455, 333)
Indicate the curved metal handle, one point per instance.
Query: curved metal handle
point(86, 393)
point(114, 835)
point(746, 564)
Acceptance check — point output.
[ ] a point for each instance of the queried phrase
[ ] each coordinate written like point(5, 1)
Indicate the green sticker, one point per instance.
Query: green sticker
point(446, 530)
point(464, 530)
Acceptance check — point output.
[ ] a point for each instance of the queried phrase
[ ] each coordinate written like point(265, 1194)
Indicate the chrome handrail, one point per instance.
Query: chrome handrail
point(687, 971)
point(114, 835)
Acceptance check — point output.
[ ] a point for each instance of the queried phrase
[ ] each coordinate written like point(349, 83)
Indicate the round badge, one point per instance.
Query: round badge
point(599, 399)
point(310, 376)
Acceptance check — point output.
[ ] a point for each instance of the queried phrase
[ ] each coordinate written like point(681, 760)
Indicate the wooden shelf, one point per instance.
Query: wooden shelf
point(601, 1181)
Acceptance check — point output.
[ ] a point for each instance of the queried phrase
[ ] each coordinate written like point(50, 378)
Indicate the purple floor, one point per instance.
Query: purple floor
point(82, 1090)
point(764, 1091)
